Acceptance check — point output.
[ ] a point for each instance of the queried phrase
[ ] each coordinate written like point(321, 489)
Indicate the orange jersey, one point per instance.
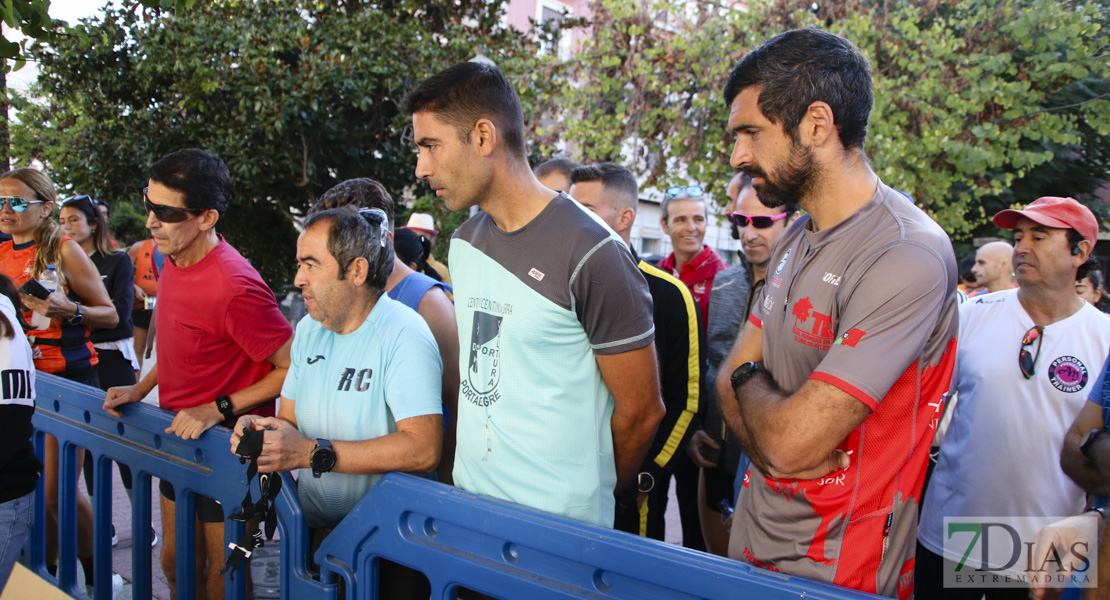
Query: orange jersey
point(16, 262)
point(146, 276)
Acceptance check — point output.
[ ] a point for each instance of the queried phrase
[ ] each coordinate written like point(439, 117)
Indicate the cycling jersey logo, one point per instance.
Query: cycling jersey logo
point(316, 359)
point(777, 279)
point(484, 364)
point(820, 334)
point(1067, 374)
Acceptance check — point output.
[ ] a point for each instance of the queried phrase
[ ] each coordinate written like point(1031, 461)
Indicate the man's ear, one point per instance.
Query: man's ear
point(818, 125)
point(625, 218)
point(1084, 253)
point(208, 219)
point(358, 271)
point(485, 136)
point(792, 217)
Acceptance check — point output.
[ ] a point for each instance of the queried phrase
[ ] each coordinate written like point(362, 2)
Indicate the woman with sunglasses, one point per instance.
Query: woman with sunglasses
point(80, 302)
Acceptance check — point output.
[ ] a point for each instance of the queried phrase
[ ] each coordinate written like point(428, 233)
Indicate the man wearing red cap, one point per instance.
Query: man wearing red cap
point(1025, 364)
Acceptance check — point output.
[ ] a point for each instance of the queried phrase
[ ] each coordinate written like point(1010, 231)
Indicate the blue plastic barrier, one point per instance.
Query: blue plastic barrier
point(455, 538)
point(74, 414)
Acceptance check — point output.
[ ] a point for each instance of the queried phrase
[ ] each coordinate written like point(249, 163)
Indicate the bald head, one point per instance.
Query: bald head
point(994, 266)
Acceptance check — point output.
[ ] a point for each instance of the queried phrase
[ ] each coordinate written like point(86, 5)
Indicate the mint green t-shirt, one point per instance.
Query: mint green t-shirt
point(534, 306)
point(356, 387)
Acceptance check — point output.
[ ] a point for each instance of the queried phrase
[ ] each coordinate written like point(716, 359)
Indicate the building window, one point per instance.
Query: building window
point(555, 11)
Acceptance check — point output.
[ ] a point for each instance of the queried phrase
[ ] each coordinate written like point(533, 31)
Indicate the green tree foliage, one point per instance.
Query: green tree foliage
point(294, 95)
point(980, 104)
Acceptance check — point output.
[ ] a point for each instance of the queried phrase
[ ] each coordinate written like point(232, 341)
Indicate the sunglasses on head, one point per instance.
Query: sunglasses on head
point(16, 203)
point(1026, 359)
point(83, 197)
point(168, 214)
point(757, 221)
point(690, 190)
point(375, 217)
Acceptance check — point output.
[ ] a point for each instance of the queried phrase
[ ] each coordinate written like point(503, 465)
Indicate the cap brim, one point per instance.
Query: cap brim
point(421, 229)
point(1006, 219)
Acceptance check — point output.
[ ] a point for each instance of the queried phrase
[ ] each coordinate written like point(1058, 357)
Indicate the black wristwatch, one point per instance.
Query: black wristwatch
point(322, 458)
point(645, 482)
point(743, 373)
point(1088, 441)
point(223, 403)
point(78, 316)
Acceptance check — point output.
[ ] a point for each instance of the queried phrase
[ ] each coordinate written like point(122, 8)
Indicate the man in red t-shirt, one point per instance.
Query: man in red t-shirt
point(223, 344)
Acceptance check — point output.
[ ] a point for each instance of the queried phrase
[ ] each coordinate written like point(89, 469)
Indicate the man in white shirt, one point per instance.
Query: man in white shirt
point(1025, 364)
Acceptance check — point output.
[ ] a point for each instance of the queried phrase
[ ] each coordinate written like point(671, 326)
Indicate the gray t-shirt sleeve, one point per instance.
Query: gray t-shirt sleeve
point(887, 317)
point(611, 298)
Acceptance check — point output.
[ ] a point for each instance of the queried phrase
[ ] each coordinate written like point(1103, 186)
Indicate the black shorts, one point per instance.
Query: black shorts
point(208, 510)
point(141, 318)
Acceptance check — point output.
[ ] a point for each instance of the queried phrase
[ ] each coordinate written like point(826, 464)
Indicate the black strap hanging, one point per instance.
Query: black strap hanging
point(252, 513)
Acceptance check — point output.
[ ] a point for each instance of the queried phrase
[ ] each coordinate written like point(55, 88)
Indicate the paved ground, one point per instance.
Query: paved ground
point(264, 564)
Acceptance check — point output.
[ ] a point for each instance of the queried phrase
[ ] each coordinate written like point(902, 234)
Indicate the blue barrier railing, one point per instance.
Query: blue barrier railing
point(456, 539)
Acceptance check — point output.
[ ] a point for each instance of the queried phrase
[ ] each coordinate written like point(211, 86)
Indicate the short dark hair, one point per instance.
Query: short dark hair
point(803, 66)
point(966, 264)
point(462, 94)
point(560, 164)
point(200, 176)
point(616, 179)
point(361, 192)
point(353, 234)
point(1093, 268)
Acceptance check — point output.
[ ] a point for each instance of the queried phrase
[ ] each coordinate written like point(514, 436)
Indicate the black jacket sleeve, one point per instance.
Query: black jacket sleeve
point(680, 346)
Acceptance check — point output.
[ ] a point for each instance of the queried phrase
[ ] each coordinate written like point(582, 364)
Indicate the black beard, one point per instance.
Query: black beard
point(793, 184)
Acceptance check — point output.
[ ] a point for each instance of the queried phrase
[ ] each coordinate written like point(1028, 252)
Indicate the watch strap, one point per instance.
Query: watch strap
point(223, 404)
point(322, 459)
point(78, 314)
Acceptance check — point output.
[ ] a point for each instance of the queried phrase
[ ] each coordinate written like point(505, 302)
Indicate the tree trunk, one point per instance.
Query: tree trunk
point(5, 137)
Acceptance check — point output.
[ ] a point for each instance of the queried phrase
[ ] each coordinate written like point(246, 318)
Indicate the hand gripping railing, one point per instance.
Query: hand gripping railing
point(456, 539)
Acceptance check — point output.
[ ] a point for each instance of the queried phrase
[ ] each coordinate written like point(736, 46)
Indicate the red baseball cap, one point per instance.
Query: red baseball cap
point(1052, 211)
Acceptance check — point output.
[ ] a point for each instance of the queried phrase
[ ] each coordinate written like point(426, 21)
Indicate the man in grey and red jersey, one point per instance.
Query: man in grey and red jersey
point(837, 377)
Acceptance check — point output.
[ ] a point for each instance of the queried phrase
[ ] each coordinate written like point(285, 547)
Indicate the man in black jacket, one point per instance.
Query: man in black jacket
point(610, 191)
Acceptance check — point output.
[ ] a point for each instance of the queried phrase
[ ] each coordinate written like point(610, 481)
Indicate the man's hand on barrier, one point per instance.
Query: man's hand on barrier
point(694, 450)
point(839, 459)
point(118, 396)
point(284, 448)
point(191, 422)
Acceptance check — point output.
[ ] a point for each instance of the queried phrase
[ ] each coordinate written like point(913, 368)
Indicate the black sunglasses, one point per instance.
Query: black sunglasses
point(16, 203)
point(168, 214)
point(757, 221)
point(1026, 359)
point(690, 190)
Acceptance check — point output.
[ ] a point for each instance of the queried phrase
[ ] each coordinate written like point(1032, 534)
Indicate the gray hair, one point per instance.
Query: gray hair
point(354, 233)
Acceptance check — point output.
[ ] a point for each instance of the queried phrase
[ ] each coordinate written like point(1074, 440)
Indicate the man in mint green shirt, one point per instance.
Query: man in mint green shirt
point(559, 399)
